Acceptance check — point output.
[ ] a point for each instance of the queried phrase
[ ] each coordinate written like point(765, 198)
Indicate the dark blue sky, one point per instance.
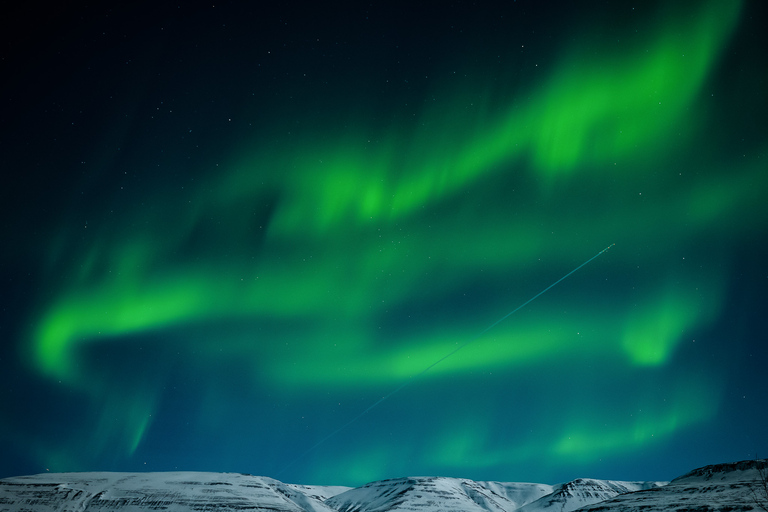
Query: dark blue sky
point(230, 229)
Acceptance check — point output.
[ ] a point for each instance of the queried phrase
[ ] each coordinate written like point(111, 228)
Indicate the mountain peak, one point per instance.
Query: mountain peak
point(719, 487)
point(714, 488)
point(584, 491)
point(723, 471)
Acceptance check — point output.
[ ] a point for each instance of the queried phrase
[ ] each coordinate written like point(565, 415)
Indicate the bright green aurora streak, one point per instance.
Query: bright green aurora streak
point(365, 223)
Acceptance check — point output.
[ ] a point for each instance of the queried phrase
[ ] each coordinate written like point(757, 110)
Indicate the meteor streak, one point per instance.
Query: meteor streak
point(425, 370)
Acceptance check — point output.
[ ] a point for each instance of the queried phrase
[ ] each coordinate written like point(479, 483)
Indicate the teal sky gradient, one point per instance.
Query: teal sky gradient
point(231, 232)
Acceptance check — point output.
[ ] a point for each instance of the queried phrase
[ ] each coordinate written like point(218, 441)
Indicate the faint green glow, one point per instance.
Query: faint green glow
point(590, 423)
point(591, 442)
point(464, 451)
point(528, 339)
point(365, 224)
point(366, 465)
point(109, 311)
point(469, 444)
point(716, 203)
point(591, 112)
point(332, 186)
point(138, 433)
point(654, 330)
point(589, 438)
point(595, 111)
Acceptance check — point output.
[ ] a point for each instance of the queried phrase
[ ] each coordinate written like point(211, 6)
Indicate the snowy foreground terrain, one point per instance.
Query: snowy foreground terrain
point(723, 487)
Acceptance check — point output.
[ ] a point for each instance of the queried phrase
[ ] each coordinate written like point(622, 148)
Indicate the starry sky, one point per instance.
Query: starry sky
point(230, 229)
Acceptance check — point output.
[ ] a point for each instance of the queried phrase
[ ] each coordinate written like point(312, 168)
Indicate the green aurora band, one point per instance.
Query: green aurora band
point(327, 237)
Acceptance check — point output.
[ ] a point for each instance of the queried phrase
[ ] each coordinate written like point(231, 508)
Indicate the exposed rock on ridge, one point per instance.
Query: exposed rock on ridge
point(715, 488)
point(135, 492)
point(436, 493)
point(584, 491)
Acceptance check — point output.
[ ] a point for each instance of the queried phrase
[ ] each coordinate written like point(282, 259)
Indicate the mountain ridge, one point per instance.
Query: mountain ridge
point(718, 487)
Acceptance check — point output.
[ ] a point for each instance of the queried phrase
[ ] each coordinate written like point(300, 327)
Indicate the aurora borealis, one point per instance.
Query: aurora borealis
point(230, 229)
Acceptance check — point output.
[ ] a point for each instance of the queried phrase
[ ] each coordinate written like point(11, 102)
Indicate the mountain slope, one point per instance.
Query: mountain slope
point(716, 488)
point(433, 493)
point(134, 492)
point(319, 492)
point(518, 493)
point(584, 491)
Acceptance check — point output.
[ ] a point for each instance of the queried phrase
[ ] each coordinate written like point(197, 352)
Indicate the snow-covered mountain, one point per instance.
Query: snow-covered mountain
point(723, 487)
point(437, 493)
point(170, 492)
point(716, 488)
point(518, 493)
point(584, 491)
point(319, 492)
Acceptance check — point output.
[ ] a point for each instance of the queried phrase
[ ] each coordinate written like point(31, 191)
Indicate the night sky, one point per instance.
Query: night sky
point(229, 229)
